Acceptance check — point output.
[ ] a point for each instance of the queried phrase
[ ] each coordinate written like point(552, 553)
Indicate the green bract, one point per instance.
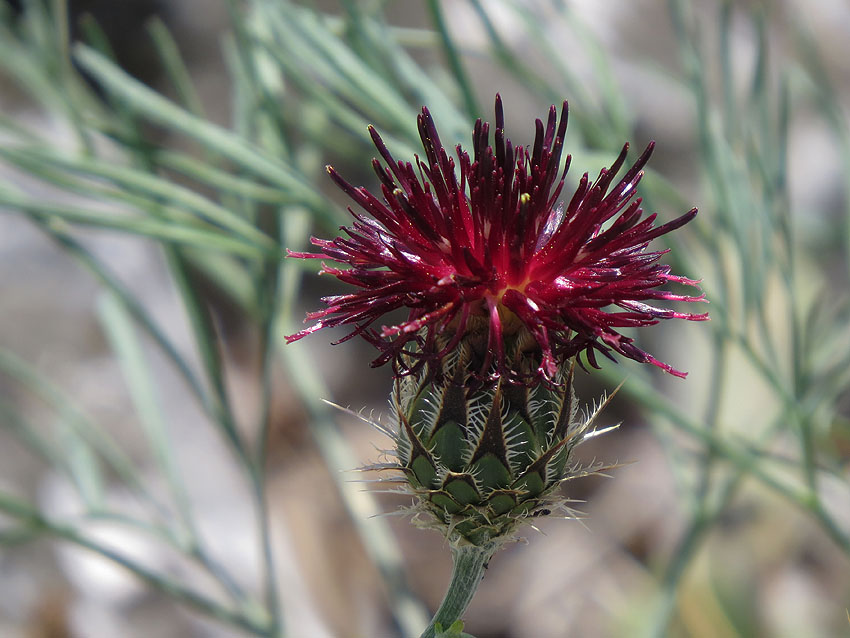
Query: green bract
point(482, 458)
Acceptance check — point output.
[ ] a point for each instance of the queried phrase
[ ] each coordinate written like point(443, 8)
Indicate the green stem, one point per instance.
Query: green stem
point(471, 104)
point(272, 589)
point(470, 561)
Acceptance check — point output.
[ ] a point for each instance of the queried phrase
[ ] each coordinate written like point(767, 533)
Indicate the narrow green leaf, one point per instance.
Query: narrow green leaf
point(151, 186)
point(120, 331)
point(165, 231)
point(175, 67)
point(82, 463)
point(473, 110)
point(221, 180)
point(156, 108)
point(208, 345)
point(32, 437)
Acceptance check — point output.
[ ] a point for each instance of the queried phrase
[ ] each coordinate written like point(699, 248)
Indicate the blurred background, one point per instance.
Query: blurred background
point(158, 443)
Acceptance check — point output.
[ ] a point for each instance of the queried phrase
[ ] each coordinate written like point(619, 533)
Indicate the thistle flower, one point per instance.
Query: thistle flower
point(504, 285)
point(483, 250)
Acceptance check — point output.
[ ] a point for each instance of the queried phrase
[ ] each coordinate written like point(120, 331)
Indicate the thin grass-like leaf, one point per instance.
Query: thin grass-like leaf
point(168, 232)
point(152, 106)
point(30, 437)
point(175, 67)
point(119, 328)
point(149, 186)
point(473, 111)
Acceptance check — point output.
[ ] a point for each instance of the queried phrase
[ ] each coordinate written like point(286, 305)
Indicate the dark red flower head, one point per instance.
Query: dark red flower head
point(485, 241)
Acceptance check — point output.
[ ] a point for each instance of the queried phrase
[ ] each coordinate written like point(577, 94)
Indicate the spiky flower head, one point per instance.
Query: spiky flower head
point(482, 249)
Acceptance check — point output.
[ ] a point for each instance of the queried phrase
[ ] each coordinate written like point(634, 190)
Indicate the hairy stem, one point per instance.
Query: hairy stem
point(470, 561)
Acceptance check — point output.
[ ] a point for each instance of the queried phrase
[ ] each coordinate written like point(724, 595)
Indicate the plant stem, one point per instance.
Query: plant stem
point(470, 561)
point(473, 111)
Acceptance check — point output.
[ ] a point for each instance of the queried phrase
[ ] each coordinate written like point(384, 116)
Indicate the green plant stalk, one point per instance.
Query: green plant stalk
point(469, 563)
point(175, 67)
point(269, 303)
point(271, 585)
point(473, 110)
